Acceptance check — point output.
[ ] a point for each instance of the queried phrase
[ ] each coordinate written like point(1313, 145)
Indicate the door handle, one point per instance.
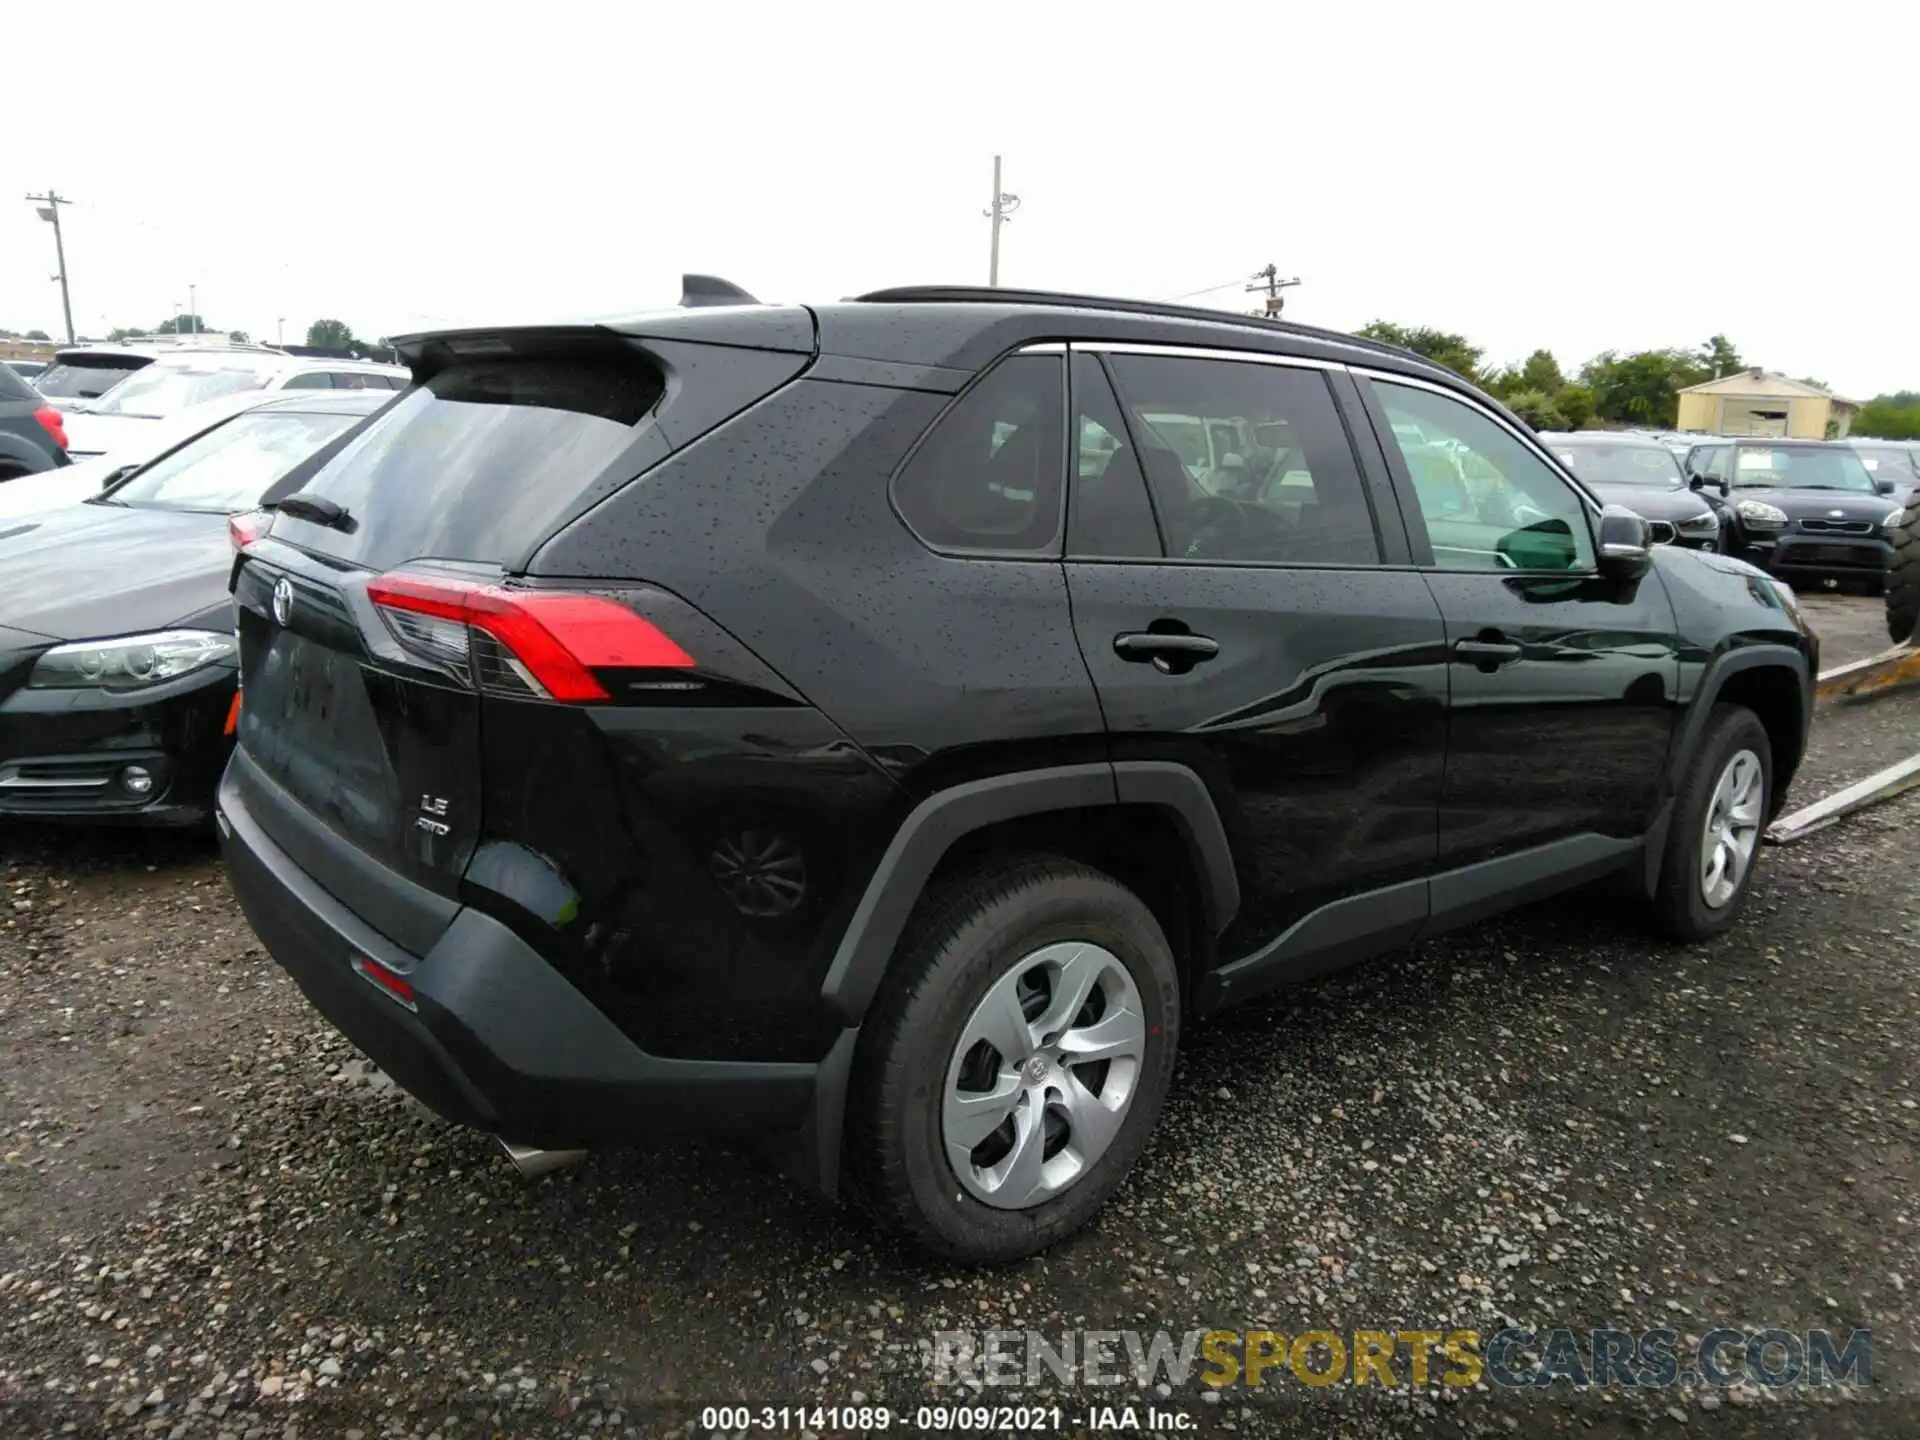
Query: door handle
point(1489, 652)
point(1169, 652)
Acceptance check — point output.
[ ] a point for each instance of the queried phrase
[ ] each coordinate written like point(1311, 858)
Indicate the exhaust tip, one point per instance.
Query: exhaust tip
point(532, 1162)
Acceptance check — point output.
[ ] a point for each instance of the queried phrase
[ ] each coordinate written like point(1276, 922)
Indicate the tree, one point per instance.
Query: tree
point(1890, 417)
point(1575, 402)
point(188, 324)
point(1439, 346)
point(1640, 389)
point(38, 335)
point(120, 332)
point(1536, 407)
point(1718, 358)
point(239, 337)
point(330, 335)
point(1542, 372)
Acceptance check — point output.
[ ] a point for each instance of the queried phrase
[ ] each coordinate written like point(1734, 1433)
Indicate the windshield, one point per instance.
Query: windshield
point(159, 390)
point(230, 467)
point(84, 379)
point(1623, 465)
point(1888, 460)
point(1782, 467)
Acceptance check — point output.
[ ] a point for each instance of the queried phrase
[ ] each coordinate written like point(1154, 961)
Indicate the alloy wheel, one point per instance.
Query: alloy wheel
point(1732, 828)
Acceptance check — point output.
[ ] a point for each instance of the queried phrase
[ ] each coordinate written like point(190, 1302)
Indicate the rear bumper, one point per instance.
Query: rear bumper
point(64, 753)
point(497, 1039)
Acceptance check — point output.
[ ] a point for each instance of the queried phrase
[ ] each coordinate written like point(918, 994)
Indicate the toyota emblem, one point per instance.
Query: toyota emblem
point(282, 601)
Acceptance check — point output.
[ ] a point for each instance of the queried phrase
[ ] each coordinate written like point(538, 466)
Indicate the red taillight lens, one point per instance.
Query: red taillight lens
point(244, 529)
point(553, 641)
point(51, 421)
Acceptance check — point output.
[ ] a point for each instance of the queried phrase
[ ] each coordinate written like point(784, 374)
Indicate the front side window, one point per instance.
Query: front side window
point(1248, 463)
point(1787, 467)
point(987, 477)
point(230, 467)
point(1489, 502)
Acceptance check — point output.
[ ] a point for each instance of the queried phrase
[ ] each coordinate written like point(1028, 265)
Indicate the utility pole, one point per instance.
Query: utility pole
point(50, 204)
point(1269, 280)
point(280, 331)
point(193, 309)
point(999, 212)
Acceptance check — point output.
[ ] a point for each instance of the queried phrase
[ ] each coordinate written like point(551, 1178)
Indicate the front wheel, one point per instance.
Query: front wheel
point(1015, 1061)
point(1717, 819)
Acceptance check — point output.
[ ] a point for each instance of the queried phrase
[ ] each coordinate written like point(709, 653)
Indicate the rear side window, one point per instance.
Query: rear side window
point(1248, 463)
point(987, 477)
point(1108, 514)
point(312, 380)
point(478, 460)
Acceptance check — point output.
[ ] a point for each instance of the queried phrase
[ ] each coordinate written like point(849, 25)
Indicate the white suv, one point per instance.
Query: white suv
point(175, 379)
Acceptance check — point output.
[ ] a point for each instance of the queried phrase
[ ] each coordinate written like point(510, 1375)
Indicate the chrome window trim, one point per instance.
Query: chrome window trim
point(1204, 352)
point(1532, 442)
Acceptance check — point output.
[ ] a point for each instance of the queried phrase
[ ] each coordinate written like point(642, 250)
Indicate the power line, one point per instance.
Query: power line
point(1203, 290)
point(50, 204)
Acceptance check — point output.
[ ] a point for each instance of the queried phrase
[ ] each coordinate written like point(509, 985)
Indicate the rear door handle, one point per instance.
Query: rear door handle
point(1487, 652)
point(1171, 653)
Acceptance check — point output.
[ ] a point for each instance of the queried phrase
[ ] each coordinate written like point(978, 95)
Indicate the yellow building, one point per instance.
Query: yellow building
point(1759, 402)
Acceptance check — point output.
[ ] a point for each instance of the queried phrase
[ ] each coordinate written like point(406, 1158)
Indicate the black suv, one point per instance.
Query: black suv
point(888, 723)
point(1802, 508)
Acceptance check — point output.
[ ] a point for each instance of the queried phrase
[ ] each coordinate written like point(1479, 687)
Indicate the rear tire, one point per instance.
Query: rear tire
point(1065, 1130)
point(1719, 815)
point(1903, 577)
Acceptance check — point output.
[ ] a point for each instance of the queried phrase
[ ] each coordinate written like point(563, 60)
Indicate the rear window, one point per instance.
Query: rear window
point(476, 461)
point(230, 467)
point(161, 390)
point(81, 379)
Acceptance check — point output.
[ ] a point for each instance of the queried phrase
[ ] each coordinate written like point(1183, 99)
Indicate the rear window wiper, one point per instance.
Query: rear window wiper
point(318, 509)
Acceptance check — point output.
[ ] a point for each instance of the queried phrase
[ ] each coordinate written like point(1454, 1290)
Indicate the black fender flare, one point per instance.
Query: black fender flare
point(947, 816)
point(1687, 742)
point(922, 841)
point(17, 451)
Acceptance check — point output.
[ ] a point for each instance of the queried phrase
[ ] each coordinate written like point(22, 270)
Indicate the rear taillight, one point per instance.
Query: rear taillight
point(391, 981)
point(246, 528)
point(51, 422)
point(522, 642)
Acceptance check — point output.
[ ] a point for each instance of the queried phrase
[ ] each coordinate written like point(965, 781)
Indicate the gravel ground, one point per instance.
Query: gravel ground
point(215, 1220)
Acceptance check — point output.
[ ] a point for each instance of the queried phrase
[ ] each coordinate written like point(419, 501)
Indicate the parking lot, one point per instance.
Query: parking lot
point(215, 1220)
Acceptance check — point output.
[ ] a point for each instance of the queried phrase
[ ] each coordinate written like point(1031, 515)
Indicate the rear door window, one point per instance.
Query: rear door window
point(1108, 514)
point(476, 460)
point(987, 477)
point(1248, 463)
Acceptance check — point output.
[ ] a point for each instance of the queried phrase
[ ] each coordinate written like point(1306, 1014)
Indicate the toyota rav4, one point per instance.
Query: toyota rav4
point(865, 724)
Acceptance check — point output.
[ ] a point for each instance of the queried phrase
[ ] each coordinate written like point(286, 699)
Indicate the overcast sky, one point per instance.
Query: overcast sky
point(1606, 176)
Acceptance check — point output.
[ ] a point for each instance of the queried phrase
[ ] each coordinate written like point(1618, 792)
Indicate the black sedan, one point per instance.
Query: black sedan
point(117, 690)
point(1803, 509)
point(1642, 474)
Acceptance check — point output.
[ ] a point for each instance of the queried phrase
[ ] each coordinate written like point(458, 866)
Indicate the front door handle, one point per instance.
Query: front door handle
point(1169, 652)
point(1488, 652)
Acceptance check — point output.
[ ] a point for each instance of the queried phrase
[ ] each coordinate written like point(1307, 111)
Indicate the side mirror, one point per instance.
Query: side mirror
point(1626, 544)
point(1725, 489)
point(1884, 486)
point(1696, 482)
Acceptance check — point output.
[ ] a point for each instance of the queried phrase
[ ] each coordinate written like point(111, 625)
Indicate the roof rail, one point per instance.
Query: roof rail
point(993, 295)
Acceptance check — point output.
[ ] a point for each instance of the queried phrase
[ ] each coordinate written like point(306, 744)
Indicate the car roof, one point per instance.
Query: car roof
point(325, 402)
point(1628, 439)
point(950, 327)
